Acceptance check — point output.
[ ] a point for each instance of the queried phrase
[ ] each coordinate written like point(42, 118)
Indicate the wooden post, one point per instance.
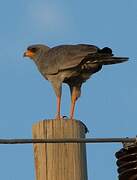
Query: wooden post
point(60, 161)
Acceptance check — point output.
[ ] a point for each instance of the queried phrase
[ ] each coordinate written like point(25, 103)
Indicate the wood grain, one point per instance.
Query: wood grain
point(56, 161)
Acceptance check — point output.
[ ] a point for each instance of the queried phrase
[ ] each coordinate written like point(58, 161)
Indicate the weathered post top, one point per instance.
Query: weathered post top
point(60, 161)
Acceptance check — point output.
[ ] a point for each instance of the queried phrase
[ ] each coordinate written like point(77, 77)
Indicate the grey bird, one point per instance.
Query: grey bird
point(70, 64)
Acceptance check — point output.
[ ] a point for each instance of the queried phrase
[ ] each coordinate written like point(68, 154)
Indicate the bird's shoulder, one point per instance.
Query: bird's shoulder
point(66, 56)
point(72, 49)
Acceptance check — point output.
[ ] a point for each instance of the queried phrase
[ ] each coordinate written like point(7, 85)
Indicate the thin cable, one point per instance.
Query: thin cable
point(68, 140)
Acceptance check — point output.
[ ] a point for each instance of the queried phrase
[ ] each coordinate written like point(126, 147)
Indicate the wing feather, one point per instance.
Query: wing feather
point(66, 56)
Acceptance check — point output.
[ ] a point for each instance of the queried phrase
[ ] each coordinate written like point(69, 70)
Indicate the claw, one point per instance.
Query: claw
point(58, 117)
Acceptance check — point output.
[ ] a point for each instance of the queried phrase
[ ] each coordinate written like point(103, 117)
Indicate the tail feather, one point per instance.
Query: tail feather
point(105, 57)
point(110, 60)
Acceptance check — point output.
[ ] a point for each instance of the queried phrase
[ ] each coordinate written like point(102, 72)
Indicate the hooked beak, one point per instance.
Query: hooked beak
point(29, 54)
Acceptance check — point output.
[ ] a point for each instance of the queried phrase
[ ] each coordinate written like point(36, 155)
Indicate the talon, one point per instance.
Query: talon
point(58, 117)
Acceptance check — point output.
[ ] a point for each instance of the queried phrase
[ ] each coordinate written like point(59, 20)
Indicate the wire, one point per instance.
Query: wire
point(69, 140)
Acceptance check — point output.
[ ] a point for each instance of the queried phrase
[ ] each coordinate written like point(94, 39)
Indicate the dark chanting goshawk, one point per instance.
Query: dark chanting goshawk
point(70, 64)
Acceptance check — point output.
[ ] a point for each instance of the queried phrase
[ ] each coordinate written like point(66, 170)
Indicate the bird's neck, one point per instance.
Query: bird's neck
point(40, 65)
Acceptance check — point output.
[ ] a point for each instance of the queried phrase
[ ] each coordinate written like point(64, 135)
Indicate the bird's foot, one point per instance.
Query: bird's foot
point(58, 117)
point(71, 117)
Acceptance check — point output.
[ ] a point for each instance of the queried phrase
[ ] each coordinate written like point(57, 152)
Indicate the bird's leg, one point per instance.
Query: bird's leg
point(58, 90)
point(73, 102)
point(75, 93)
point(58, 107)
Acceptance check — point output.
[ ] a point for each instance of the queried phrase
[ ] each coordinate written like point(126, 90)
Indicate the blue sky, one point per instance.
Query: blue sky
point(109, 99)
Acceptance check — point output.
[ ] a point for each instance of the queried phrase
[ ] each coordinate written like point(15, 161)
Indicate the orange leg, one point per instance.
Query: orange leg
point(72, 108)
point(73, 102)
point(58, 107)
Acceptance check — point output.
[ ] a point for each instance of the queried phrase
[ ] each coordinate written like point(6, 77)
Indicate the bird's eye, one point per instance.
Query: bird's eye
point(32, 49)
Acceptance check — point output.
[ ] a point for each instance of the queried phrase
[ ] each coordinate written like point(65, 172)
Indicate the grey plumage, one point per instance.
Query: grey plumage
point(71, 64)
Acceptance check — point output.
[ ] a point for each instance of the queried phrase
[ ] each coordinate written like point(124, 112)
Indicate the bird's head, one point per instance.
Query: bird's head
point(35, 51)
